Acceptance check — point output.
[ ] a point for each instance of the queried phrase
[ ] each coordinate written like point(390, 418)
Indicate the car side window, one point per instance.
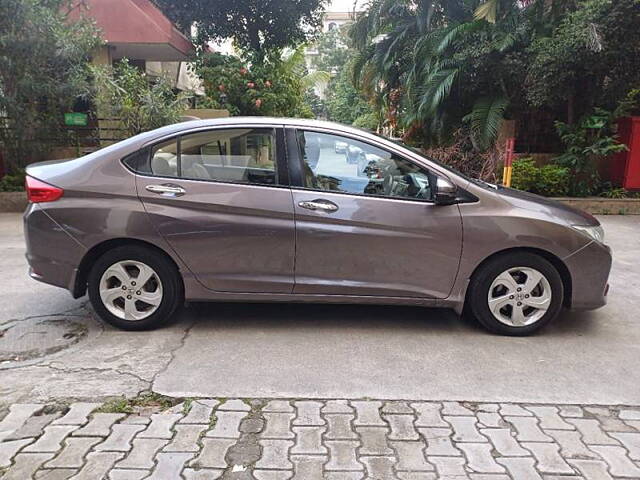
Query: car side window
point(341, 164)
point(238, 155)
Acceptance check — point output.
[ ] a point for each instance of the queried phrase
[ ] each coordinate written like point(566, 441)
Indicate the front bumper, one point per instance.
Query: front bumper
point(589, 268)
point(52, 253)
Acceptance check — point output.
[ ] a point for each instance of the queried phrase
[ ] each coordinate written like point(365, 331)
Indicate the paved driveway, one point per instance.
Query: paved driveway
point(311, 351)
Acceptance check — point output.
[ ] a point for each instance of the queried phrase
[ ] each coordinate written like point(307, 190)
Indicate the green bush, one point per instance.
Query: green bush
point(12, 183)
point(548, 180)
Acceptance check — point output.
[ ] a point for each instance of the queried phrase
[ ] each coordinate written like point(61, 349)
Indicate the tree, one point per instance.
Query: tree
point(256, 26)
point(43, 70)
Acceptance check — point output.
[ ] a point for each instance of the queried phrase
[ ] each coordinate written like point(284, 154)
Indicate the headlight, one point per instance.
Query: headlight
point(596, 233)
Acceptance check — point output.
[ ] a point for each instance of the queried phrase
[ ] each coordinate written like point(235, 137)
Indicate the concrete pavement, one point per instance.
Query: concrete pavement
point(313, 351)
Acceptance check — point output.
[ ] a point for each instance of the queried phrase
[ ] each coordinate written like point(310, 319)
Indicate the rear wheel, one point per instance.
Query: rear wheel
point(516, 294)
point(134, 288)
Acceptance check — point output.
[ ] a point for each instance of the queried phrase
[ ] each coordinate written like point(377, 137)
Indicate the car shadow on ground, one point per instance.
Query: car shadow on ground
point(347, 316)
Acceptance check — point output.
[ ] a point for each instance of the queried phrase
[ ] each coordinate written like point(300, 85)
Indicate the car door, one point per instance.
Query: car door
point(221, 199)
point(366, 223)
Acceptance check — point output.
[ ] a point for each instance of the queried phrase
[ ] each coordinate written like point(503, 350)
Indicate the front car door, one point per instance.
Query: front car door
point(366, 223)
point(221, 199)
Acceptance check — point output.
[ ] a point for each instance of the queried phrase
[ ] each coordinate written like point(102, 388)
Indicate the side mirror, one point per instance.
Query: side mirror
point(446, 192)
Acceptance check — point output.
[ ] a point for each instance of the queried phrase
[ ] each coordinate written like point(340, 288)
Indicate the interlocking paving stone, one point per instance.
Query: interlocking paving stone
point(227, 424)
point(379, 468)
point(10, 448)
point(428, 414)
point(275, 454)
point(548, 458)
point(308, 467)
point(199, 413)
point(213, 453)
point(339, 426)
point(122, 474)
point(619, 463)
point(160, 426)
point(309, 441)
point(368, 413)
point(479, 458)
point(592, 469)
point(337, 406)
point(186, 438)
point(521, 468)
point(629, 414)
point(73, 452)
point(142, 454)
point(592, 433)
point(455, 408)
point(234, 404)
point(78, 414)
point(97, 465)
point(374, 441)
point(343, 455)
point(99, 425)
point(278, 425)
point(549, 418)
point(169, 465)
point(324, 440)
point(464, 429)
point(25, 464)
point(528, 429)
point(281, 406)
point(55, 474)
point(571, 411)
point(504, 443)
point(402, 427)
point(51, 440)
point(272, 474)
point(120, 438)
point(18, 414)
point(631, 441)
point(33, 426)
point(202, 474)
point(308, 413)
point(411, 456)
point(571, 444)
point(439, 441)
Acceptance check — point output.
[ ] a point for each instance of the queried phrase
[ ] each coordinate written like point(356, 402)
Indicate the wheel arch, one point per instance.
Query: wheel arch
point(558, 264)
point(95, 252)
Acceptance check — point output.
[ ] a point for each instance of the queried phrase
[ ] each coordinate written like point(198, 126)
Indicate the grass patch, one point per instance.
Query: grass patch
point(144, 400)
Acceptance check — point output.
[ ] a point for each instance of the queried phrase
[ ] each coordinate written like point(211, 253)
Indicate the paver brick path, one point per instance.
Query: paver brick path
point(263, 439)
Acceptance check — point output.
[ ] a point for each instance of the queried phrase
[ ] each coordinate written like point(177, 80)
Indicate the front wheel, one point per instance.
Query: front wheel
point(134, 288)
point(516, 294)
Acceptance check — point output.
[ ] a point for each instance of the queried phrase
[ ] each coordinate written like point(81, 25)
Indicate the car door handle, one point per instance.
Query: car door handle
point(167, 189)
point(322, 205)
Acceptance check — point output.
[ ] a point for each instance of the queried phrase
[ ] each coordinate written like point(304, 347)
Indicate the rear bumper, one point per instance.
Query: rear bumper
point(53, 255)
point(589, 268)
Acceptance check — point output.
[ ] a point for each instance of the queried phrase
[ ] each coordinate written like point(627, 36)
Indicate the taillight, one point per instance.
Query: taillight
point(38, 191)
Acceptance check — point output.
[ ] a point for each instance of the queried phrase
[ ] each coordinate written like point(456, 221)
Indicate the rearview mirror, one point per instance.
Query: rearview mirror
point(446, 192)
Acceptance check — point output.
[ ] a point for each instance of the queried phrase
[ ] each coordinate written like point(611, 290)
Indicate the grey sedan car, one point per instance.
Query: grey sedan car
point(265, 209)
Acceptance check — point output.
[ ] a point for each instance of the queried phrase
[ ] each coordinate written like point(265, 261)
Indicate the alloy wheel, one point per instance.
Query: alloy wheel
point(130, 290)
point(519, 296)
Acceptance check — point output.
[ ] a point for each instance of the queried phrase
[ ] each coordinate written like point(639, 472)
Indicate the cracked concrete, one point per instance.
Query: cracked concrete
point(325, 351)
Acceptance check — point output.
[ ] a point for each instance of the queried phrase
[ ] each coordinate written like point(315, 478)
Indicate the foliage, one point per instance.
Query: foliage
point(368, 121)
point(275, 87)
point(13, 183)
point(258, 27)
point(461, 155)
point(589, 141)
point(548, 180)
point(139, 103)
point(344, 103)
point(43, 69)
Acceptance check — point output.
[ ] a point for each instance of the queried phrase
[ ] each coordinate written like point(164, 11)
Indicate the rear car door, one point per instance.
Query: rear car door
point(366, 223)
point(221, 199)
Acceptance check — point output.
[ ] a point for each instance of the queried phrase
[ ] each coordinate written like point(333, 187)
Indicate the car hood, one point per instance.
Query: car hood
point(554, 208)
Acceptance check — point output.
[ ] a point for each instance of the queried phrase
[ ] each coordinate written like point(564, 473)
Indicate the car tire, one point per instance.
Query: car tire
point(163, 288)
point(497, 304)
